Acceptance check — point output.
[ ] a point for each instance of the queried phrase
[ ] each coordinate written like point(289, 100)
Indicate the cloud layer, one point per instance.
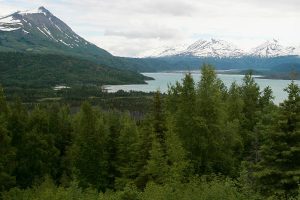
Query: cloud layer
point(131, 27)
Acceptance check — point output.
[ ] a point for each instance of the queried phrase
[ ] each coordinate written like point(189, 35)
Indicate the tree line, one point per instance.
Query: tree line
point(199, 141)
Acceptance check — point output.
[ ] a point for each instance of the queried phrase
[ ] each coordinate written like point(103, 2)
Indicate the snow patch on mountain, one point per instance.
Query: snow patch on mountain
point(272, 49)
point(223, 49)
point(201, 48)
point(9, 20)
point(40, 10)
point(213, 48)
point(8, 23)
point(43, 22)
point(165, 51)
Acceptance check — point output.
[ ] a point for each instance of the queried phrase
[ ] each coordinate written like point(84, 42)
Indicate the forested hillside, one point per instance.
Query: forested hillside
point(27, 70)
point(200, 141)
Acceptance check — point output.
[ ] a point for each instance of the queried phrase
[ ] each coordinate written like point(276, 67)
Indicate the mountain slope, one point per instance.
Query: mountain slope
point(40, 31)
point(29, 70)
point(272, 49)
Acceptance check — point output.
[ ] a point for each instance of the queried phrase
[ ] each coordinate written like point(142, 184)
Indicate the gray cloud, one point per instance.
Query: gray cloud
point(164, 34)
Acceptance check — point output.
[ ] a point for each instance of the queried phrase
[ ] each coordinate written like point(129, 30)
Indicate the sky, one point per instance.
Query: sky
point(134, 27)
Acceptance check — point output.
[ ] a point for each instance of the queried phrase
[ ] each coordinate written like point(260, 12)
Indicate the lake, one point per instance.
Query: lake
point(163, 79)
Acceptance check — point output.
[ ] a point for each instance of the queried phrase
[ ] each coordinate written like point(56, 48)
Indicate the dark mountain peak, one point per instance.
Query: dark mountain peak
point(39, 29)
point(42, 8)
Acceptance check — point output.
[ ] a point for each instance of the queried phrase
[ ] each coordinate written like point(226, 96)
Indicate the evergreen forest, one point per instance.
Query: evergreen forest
point(200, 141)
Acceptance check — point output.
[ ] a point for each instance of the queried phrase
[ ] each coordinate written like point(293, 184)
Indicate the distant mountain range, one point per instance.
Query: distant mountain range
point(223, 49)
point(40, 32)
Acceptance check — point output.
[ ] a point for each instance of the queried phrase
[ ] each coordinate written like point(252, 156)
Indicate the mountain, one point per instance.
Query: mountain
point(273, 49)
point(165, 51)
point(201, 48)
point(38, 49)
point(222, 49)
point(213, 48)
point(40, 31)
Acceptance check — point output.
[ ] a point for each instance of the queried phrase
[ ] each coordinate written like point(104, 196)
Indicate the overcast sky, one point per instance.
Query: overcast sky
point(131, 27)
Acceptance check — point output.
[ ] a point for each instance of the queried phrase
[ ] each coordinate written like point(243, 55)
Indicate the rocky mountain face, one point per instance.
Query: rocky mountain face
point(40, 31)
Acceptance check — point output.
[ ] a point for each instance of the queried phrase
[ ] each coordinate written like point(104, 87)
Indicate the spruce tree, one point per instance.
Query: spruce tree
point(37, 156)
point(113, 121)
point(89, 152)
point(157, 168)
point(7, 157)
point(235, 103)
point(179, 168)
point(279, 168)
point(184, 117)
point(158, 119)
point(209, 153)
point(127, 152)
point(250, 94)
point(61, 128)
point(17, 122)
point(156, 165)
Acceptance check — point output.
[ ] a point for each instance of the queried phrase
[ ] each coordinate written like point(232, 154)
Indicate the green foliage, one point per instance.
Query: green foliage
point(179, 168)
point(250, 95)
point(7, 157)
point(200, 122)
point(88, 152)
point(49, 191)
point(278, 170)
point(128, 145)
point(3, 104)
point(159, 120)
point(235, 103)
point(156, 168)
point(197, 130)
point(198, 188)
point(48, 70)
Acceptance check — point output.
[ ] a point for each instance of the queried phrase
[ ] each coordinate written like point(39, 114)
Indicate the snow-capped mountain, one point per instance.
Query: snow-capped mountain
point(213, 48)
point(38, 29)
point(272, 49)
point(165, 51)
point(222, 49)
point(201, 48)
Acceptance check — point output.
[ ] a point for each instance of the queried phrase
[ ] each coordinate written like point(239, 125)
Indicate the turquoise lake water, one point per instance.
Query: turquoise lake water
point(163, 79)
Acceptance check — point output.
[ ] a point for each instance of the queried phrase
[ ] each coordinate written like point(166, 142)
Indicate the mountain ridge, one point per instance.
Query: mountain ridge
point(39, 29)
point(223, 49)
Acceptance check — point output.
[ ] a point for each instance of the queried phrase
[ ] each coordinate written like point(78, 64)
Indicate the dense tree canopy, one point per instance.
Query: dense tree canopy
point(199, 141)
